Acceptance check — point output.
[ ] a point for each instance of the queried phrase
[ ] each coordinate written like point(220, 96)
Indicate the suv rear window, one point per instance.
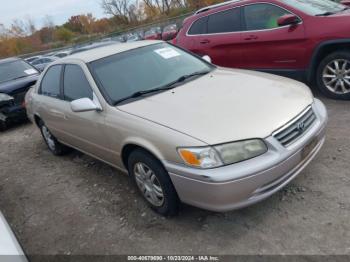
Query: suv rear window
point(199, 27)
point(226, 21)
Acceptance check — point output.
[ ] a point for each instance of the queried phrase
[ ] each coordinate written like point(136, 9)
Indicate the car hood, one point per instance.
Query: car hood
point(18, 85)
point(226, 105)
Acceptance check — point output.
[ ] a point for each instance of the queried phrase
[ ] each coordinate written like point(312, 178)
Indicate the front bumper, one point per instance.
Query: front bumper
point(12, 114)
point(243, 184)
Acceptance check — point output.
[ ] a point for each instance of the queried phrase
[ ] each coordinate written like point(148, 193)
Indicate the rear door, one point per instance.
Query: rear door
point(223, 37)
point(50, 101)
point(267, 45)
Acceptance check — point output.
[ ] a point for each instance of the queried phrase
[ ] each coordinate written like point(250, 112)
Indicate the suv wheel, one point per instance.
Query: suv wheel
point(333, 75)
point(52, 143)
point(153, 182)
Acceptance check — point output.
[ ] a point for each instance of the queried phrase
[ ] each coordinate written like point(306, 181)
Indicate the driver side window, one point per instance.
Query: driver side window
point(262, 16)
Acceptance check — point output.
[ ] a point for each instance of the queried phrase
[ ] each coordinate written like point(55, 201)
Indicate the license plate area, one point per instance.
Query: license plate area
point(309, 148)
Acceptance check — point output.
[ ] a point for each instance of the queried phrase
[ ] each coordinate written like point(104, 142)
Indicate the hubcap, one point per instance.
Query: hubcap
point(148, 184)
point(48, 138)
point(336, 76)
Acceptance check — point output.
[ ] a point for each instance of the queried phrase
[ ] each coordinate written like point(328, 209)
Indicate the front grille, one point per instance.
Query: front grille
point(296, 128)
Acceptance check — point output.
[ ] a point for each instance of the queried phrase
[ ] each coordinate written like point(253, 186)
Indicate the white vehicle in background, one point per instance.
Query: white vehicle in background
point(43, 62)
point(10, 249)
point(32, 58)
point(62, 54)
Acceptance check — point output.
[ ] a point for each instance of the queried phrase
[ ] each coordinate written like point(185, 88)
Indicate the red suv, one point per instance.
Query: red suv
point(306, 40)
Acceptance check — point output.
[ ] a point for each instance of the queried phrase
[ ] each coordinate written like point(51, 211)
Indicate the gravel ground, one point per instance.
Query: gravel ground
point(77, 205)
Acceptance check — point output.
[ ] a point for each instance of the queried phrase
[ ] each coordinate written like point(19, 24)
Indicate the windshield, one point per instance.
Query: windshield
point(14, 70)
point(142, 69)
point(316, 7)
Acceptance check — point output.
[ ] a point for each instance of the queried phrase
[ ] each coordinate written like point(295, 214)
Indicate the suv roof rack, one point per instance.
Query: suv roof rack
point(204, 9)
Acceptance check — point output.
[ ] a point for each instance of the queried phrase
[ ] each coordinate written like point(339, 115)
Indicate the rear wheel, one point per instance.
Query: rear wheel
point(333, 75)
point(52, 143)
point(153, 182)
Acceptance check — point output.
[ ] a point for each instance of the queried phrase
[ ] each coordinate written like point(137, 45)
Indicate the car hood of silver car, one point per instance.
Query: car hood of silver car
point(226, 105)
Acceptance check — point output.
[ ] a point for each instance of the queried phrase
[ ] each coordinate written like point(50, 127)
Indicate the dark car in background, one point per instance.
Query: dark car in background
point(16, 77)
point(169, 32)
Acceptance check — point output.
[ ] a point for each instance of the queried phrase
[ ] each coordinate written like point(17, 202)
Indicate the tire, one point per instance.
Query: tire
point(57, 148)
point(338, 87)
point(155, 177)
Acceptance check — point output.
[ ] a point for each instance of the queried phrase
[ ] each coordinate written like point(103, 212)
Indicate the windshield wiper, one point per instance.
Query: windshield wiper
point(169, 86)
point(183, 78)
point(326, 14)
point(141, 93)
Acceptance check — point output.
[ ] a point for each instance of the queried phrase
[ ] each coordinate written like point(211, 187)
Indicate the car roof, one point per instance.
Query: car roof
point(49, 57)
point(101, 52)
point(207, 8)
point(8, 60)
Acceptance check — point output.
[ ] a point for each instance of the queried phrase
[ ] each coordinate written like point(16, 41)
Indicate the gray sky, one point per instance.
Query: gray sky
point(59, 10)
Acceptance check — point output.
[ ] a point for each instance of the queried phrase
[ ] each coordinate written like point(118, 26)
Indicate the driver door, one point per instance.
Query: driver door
point(268, 46)
point(84, 130)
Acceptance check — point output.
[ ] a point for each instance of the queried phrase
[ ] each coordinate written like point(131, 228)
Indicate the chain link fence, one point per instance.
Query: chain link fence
point(178, 20)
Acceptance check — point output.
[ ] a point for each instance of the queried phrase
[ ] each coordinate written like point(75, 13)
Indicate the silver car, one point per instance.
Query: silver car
point(10, 249)
point(184, 129)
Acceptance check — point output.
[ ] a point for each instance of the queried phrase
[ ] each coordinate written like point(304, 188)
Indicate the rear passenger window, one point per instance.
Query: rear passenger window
point(50, 85)
point(262, 16)
point(75, 84)
point(223, 22)
point(199, 27)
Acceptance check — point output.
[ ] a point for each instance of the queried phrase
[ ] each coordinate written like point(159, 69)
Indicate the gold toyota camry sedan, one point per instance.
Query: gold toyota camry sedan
point(183, 129)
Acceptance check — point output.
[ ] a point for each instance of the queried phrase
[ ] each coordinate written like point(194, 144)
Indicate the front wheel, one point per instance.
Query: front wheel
point(333, 75)
point(153, 182)
point(3, 126)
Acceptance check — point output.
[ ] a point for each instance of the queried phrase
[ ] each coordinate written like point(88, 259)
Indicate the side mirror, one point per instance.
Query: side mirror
point(288, 20)
point(84, 105)
point(207, 58)
point(345, 2)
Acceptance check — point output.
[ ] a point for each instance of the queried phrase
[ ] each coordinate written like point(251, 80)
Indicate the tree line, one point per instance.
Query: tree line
point(22, 36)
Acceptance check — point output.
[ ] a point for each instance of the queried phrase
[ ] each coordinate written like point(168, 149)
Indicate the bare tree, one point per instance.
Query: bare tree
point(116, 8)
point(48, 22)
point(3, 30)
point(17, 28)
point(30, 25)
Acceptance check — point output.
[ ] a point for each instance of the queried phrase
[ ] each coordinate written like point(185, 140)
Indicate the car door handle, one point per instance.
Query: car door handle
point(204, 41)
point(251, 37)
point(57, 114)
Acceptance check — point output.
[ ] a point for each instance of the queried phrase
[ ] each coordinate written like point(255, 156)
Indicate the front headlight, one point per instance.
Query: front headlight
point(5, 97)
point(225, 154)
point(240, 151)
